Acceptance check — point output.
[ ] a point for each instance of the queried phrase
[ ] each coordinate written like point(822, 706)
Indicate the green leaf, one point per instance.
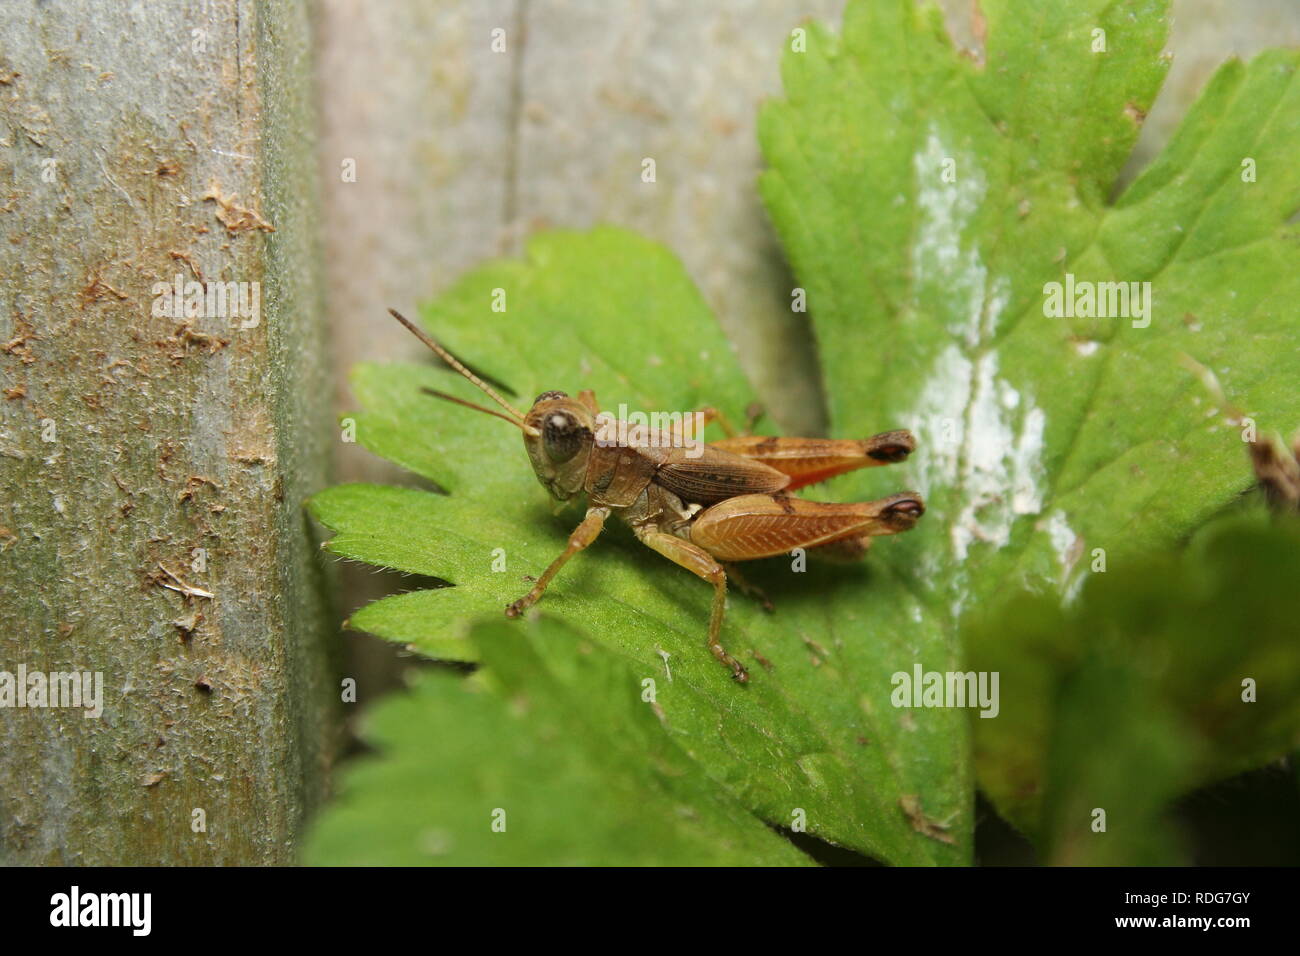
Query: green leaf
point(565, 758)
point(1042, 441)
point(610, 311)
point(1134, 696)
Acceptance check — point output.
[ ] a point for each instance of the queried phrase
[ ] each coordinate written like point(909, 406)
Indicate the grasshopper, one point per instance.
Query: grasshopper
point(700, 506)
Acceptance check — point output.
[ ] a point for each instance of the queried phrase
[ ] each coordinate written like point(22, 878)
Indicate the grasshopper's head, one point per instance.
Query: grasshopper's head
point(559, 432)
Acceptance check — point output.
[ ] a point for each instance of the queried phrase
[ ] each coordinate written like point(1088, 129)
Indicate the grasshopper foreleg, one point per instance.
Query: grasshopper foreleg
point(583, 535)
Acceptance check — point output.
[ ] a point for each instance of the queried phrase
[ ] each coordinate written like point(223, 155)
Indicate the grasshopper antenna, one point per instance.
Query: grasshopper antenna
point(460, 401)
point(516, 419)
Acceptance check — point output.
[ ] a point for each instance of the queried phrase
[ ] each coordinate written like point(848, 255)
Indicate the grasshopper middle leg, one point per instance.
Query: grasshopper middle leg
point(698, 561)
point(709, 413)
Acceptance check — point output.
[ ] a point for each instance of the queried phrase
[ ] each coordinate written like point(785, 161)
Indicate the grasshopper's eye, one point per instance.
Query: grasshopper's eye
point(561, 436)
point(548, 396)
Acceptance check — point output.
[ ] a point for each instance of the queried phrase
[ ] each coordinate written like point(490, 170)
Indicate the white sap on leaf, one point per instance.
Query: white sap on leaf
point(953, 275)
point(939, 419)
point(979, 435)
point(1067, 546)
point(976, 432)
point(1062, 537)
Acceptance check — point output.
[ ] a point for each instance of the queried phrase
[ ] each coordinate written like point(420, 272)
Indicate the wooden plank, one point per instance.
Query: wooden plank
point(607, 86)
point(463, 151)
point(142, 453)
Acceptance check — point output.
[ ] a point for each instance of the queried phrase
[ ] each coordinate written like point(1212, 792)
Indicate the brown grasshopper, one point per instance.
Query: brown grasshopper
point(697, 505)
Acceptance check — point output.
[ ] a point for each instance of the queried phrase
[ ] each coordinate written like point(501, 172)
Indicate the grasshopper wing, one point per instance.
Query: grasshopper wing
point(715, 475)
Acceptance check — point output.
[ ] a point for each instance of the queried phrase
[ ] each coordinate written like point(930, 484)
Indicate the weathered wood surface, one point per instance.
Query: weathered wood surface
point(139, 141)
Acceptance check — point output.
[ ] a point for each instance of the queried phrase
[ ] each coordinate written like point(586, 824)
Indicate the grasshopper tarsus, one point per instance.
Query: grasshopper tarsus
point(697, 505)
point(738, 672)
